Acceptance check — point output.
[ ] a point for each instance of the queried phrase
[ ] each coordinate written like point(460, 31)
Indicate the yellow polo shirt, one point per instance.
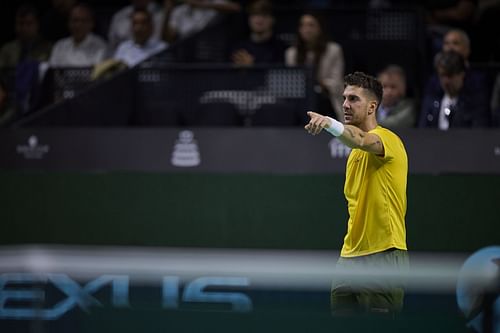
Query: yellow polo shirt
point(375, 189)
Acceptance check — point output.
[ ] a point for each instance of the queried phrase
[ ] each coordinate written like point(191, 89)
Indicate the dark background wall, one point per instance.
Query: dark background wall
point(445, 213)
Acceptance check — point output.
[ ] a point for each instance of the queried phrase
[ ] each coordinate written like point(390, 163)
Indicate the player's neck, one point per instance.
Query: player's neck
point(369, 124)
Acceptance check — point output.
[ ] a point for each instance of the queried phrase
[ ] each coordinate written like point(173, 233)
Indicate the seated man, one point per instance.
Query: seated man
point(29, 45)
point(143, 44)
point(82, 48)
point(395, 110)
point(120, 28)
point(131, 52)
point(452, 98)
point(25, 55)
point(262, 46)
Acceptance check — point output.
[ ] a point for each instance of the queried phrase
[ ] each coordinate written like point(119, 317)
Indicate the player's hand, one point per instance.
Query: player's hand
point(316, 123)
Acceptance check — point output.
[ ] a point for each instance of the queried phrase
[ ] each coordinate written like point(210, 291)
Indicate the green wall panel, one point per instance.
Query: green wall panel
point(445, 213)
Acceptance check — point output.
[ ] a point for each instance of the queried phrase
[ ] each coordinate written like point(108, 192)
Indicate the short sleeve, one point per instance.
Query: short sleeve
point(390, 142)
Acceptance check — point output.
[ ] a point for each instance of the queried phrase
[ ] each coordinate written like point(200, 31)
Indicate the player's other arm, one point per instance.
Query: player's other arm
point(349, 135)
point(355, 137)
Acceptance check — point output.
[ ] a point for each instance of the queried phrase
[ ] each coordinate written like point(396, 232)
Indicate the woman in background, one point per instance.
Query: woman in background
point(313, 48)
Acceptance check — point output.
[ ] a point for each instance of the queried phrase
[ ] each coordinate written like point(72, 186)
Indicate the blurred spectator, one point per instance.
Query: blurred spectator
point(28, 45)
point(262, 46)
point(458, 41)
point(143, 44)
point(193, 16)
point(25, 54)
point(131, 52)
point(82, 48)
point(120, 28)
point(7, 109)
point(453, 98)
point(313, 48)
point(495, 103)
point(443, 15)
point(54, 23)
point(396, 110)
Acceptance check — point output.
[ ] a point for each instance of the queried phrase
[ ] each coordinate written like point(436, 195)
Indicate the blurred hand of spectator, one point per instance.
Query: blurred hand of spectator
point(192, 17)
point(242, 57)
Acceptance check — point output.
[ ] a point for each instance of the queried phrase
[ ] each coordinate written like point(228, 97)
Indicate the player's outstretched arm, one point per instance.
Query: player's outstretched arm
point(349, 135)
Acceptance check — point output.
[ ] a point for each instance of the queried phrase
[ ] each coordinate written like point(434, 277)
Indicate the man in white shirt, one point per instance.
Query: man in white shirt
point(144, 44)
point(82, 48)
point(120, 28)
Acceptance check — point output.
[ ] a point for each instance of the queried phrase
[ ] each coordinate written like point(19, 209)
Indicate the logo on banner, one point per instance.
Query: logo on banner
point(33, 150)
point(338, 149)
point(23, 295)
point(186, 152)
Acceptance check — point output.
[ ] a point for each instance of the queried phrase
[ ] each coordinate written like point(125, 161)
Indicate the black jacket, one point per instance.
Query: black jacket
point(472, 108)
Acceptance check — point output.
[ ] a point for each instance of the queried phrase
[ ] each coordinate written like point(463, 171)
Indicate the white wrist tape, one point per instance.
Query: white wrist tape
point(336, 127)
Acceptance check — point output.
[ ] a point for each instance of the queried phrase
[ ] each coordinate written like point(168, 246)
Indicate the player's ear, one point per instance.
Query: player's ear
point(372, 106)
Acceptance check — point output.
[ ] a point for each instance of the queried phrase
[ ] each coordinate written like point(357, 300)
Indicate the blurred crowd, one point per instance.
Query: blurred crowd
point(118, 35)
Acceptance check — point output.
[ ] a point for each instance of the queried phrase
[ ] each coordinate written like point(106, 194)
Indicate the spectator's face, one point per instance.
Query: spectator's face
point(26, 27)
point(261, 23)
point(454, 41)
point(394, 88)
point(80, 23)
point(309, 28)
point(142, 27)
point(451, 83)
point(142, 4)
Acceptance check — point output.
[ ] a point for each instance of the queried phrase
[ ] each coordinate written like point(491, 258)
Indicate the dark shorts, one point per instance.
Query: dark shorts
point(361, 284)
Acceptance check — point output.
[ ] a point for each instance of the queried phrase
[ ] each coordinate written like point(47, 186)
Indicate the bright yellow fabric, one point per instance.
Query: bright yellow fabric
point(375, 189)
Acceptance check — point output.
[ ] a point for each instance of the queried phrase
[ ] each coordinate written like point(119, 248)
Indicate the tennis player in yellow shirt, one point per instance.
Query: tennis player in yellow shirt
point(375, 189)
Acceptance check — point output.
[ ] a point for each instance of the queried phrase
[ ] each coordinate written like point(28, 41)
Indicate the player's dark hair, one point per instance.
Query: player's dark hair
point(362, 80)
